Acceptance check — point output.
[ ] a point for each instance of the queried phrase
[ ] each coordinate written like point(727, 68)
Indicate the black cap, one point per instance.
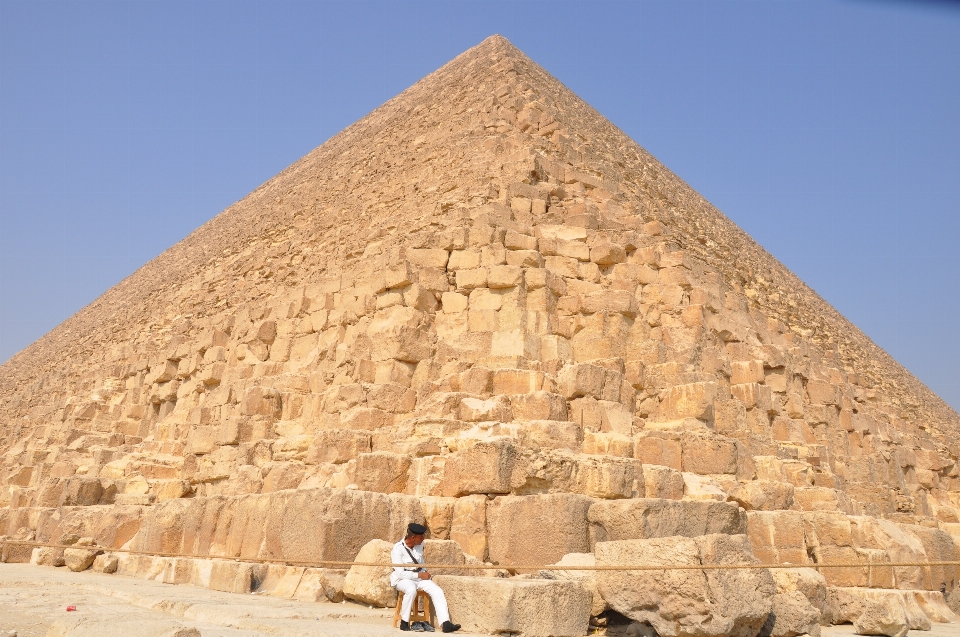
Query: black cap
point(416, 529)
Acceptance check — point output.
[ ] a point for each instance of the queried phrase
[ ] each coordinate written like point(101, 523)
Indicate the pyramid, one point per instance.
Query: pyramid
point(482, 306)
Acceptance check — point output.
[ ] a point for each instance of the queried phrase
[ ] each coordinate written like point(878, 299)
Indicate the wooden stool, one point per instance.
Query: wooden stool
point(417, 615)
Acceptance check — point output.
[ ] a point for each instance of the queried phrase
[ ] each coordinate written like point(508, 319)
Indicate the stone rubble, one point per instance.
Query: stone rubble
point(483, 307)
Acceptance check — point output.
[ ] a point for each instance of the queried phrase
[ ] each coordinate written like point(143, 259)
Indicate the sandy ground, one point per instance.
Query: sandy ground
point(34, 598)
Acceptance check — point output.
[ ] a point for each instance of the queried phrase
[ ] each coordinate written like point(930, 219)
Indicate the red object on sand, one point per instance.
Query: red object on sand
point(70, 609)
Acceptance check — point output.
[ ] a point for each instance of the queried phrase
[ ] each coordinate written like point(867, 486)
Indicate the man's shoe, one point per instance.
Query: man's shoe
point(426, 627)
point(450, 627)
point(404, 625)
point(417, 627)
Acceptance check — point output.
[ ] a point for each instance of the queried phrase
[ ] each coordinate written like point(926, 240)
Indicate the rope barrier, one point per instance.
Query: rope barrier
point(475, 567)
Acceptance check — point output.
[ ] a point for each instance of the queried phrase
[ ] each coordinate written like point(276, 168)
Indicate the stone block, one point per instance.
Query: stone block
point(535, 530)
point(659, 450)
point(807, 581)
point(706, 455)
point(539, 405)
point(486, 467)
point(371, 584)
point(763, 495)
point(662, 482)
point(777, 537)
point(526, 608)
point(468, 527)
point(105, 563)
point(878, 618)
point(693, 400)
point(644, 518)
point(687, 602)
point(382, 471)
point(792, 616)
point(588, 579)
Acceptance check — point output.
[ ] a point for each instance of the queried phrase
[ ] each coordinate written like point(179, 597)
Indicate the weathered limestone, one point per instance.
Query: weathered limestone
point(587, 579)
point(644, 518)
point(528, 608)
point(792, 615)
point(517, 533)
point(882, 619)
point(687, 602)
point(371, 584)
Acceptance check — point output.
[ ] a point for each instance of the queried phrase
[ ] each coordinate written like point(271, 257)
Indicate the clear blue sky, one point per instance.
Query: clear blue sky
point(830, 131)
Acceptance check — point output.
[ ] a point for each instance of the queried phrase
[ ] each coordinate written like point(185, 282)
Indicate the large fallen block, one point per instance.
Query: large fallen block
point(644, 518)
point(687, 603)
point(371, 584)
point(847, 604)
point(521, 607)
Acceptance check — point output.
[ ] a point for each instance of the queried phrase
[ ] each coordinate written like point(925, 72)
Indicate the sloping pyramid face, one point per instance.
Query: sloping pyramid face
point(485, 307)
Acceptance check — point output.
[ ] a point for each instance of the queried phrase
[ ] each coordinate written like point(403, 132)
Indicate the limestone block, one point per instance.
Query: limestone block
point(555, 434)
point(337, 446)
point(495, 409)
point(807, 581)
point(588, 579)
point(823, 393)
point(607, 254)
point(662, 482)
point(504, 276)
point(644, 518)
point(526, 608)
point(230, 577)
point(607, 444)
point(847, 604)
point(822, 499)
point(514, 240)
point(365, 419)
point(382, 471)
point(882, 619)
point(582, 379)
point(485, 467)
point(610, 301)
point(428, 257)
point(525, 259)
point(438, 515)
point(536, 530)
point(694, 400)
point(777, 537)
point(282, 475)
point(79, 559)
point(371, 584)
point(321, 584)
point(687, 602)
point(608, 478)
point(454, 303)
point(746, 372)
point(792, 616)
point(468, 527)
point(696, 487)
point(105, 563)
point(753, 396)
point(763, 495)
point(81, 491)
point(729, 417)
point(539, 405)
point(469, 279)
point(708, 454)
point(665, 451)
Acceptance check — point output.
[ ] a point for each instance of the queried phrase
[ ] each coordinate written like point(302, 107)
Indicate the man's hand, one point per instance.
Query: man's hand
point(423, 575)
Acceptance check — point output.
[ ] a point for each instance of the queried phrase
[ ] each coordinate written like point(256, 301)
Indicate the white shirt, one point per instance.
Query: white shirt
point(399, 555)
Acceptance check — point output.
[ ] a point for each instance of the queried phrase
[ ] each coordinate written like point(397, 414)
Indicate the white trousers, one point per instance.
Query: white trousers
point(409, 589)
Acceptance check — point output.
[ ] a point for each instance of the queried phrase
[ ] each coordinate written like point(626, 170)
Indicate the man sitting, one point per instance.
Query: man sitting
point(409, 580)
